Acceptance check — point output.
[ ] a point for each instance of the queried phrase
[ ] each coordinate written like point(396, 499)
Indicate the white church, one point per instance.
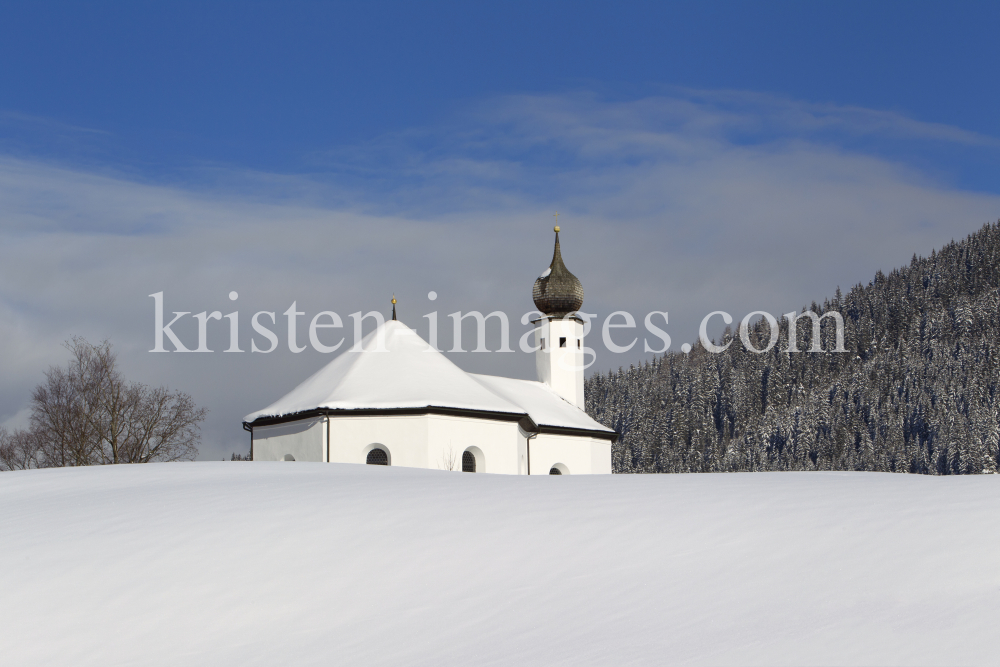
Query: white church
point(398, 401)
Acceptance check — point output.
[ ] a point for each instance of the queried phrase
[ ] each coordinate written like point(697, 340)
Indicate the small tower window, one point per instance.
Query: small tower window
point(543, 343)
point(468, 462)
point(377, 457)
point(555, 471)
point(562, 341)
point(578, 343)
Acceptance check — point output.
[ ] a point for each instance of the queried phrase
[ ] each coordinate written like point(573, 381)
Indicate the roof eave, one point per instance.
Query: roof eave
point(579, 432)
point(270, 420)
point(523, 419)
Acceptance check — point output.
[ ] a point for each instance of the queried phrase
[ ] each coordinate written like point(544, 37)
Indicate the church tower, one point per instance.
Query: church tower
point(558, 295)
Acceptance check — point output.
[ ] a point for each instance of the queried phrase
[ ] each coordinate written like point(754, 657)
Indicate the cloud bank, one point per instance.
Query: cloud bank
point(688, 202)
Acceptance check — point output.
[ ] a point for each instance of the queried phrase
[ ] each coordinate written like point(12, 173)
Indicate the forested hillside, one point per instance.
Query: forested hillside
point(916, 391)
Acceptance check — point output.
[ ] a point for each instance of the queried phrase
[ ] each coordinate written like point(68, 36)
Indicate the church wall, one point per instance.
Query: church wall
point(600, 457)
point(403, 436)
point(581, 456)
point(428, 441)
point(304, 440)
point(449, 437)
point(432, 441)
point(561, 368)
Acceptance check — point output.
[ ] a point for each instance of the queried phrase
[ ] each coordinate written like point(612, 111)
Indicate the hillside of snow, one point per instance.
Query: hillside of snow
point(322, 564)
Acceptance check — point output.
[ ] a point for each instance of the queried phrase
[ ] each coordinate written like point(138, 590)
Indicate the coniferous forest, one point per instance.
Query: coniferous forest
point(915, 392)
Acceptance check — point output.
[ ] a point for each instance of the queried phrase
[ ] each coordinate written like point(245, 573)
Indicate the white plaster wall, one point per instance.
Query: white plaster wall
point(600, 456)
point(305, 440)
point(582, 456)
point(403, 436)
point(428, 441)
point(431, 441)
point(561, 367)
point(449, 437)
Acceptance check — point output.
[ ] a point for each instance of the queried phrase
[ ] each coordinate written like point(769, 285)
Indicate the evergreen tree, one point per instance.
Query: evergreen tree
point(916, 392)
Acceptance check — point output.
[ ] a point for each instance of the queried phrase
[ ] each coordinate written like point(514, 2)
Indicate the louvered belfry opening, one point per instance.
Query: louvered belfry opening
point(468, 462)
point(377, 457)
point(554, 471)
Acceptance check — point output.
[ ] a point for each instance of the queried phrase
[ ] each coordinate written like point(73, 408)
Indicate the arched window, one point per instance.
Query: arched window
point(473, 460)
point(288, 457)
point(555, 471)
point(377, 457)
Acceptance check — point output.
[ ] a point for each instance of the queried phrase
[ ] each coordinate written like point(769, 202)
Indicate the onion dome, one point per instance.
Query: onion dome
point(557, 292)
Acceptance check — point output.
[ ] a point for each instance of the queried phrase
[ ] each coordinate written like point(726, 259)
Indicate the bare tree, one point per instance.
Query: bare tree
point(58, 419)
point(88, 414)
point(20, 450)
point(449, 459)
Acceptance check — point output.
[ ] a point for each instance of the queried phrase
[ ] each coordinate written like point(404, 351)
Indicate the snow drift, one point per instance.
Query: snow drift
point(302, 564)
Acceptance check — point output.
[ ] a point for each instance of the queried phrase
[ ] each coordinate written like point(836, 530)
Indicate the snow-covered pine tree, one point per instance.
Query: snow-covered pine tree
point(916, 392)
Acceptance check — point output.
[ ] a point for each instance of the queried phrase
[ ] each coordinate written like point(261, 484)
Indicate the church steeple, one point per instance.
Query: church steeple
point(557, 292)
point(559, 355)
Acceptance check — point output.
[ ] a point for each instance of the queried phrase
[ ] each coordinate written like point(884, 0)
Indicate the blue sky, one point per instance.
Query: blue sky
point(703, 156)
point(267, 86)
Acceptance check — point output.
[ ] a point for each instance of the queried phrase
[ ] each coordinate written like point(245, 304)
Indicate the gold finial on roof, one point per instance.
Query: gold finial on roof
point(556, 228)
point(394, 307)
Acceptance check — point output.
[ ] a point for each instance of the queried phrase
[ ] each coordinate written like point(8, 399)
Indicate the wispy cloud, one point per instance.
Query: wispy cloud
point(689, 202)
point(45, 123)
point(782, 115)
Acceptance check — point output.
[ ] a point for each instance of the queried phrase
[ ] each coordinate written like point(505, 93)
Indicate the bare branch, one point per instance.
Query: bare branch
point(88, 414)
point(20, 450)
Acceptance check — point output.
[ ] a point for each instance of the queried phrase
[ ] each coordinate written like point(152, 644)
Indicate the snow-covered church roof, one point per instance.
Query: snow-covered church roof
point(405, 372)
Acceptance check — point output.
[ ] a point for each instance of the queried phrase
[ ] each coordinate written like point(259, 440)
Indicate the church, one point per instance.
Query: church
point(398, 401)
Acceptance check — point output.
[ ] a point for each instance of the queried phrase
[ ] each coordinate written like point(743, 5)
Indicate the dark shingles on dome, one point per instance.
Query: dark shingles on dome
point(557, 292)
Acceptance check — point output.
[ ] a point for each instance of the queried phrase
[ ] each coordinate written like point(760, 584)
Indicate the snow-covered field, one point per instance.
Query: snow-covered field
point(322, 564)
